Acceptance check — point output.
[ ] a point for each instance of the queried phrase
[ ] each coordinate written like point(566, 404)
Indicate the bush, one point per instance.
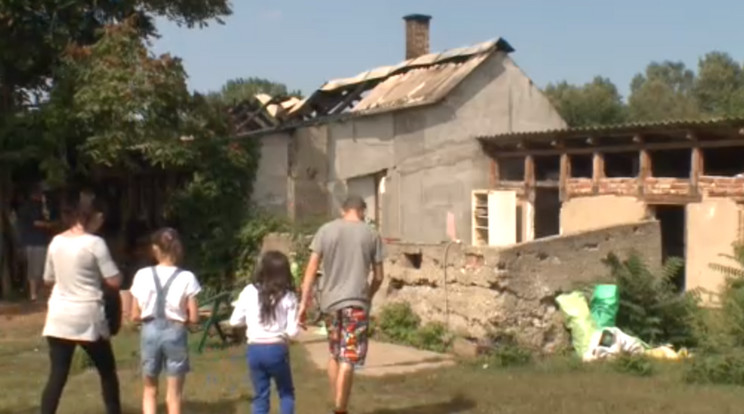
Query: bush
point(432, 336)
point(726, 368)
point(510, 355)
point(81, 361)
point(633, 364)
point(651, 308)
point(724, 329)
point(399, 324)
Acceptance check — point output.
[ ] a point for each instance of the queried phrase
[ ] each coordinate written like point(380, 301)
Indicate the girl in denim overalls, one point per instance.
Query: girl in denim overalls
point(165, 302)
point(268, 308)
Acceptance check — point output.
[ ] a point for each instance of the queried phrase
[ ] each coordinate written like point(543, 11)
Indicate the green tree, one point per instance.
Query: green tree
point(98, 96)
point(241, 89)
point(595, 103)
point(664, 91)
point(719, 85)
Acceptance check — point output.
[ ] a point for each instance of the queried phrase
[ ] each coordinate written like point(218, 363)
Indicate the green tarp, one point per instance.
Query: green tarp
point(604, 305)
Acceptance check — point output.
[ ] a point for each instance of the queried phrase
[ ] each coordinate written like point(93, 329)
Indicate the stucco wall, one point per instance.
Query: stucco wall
point(712, 227)
point(589, 213)
point(509, 290)
point(430, 154)
point(309, 172)
point(270, 189)
point(438, 162)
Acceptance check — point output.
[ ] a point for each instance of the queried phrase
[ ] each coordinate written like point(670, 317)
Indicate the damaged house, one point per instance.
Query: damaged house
point(402, 136)
point(688, 175)
point(445, 143)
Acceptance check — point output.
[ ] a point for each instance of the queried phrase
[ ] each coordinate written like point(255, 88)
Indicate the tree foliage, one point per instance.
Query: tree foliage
point(663, 91)
point(241, 89)
point(80, 89)
point(594, 103)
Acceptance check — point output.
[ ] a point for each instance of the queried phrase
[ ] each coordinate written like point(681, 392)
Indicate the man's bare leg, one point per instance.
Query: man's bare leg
point(344, 380)
point(332, 376)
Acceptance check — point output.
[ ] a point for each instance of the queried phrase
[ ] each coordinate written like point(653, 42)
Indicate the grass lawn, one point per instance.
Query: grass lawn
point(219, 385)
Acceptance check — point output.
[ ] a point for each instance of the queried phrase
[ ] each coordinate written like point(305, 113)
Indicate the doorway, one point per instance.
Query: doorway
point(672, 219)
point(547, 212)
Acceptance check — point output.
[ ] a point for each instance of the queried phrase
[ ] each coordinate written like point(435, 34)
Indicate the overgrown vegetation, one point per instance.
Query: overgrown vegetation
point(637, 365)
point(720, 358)
point(651, 308)
point(399, 324)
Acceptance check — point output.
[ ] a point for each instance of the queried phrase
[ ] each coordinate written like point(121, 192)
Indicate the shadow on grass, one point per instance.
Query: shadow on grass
point(197, 407)
point(455, 405)
point(191, 407)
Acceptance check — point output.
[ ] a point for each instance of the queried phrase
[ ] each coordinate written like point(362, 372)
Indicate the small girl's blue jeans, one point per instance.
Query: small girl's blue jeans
point(267, 362)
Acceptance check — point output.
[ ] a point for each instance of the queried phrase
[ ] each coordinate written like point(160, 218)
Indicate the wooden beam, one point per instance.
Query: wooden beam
point(651, 146)
point(565, 174)
point(529, 171)
point(494, 172)
point(696, 169)
point(598, 170)
point(349, 98)
point(644, 170)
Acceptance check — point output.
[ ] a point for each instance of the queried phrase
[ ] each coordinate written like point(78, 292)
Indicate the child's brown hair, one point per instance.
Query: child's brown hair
point(169, 243)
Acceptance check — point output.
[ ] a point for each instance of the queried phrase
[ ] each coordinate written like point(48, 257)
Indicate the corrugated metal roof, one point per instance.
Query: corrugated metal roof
point(417, 86)
point(424, 80)
point(425, 60)
point(617, 129)
point(412, 82)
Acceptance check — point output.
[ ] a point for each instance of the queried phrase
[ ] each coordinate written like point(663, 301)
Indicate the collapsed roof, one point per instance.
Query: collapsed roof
point(421, 81)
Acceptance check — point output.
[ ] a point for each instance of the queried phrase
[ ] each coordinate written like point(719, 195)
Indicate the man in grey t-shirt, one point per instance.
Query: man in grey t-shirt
point(348, 249)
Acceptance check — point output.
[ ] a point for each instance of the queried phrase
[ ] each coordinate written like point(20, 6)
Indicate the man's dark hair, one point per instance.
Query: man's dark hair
point(354, 202)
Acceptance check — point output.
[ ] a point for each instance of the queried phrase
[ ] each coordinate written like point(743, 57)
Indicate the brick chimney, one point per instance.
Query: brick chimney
point(417, 35)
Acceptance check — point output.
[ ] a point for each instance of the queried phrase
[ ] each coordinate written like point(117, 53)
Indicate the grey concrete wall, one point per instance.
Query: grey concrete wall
point(309, 172)
point(430, 154)
point(510, 290)
point(438, 162)
point(270, 190)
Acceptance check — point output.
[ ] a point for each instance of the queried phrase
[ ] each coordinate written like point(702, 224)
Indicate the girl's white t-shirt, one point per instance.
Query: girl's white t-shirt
point(247, 311)
point(183, 287)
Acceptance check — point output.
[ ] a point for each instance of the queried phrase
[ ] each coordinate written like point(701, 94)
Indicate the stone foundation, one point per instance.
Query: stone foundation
point(491, 292)
point(508, 291)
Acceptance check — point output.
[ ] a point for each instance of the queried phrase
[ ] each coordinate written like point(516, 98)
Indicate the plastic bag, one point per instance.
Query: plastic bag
point(604, 305)
point(579, 320)
point(609, 342)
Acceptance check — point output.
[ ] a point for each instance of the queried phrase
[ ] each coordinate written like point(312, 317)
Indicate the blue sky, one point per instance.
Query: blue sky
point(303, 43)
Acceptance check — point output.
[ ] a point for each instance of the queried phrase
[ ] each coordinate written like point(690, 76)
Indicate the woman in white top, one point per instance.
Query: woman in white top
point(165, 302)
point(79, 267)
point(268, 308)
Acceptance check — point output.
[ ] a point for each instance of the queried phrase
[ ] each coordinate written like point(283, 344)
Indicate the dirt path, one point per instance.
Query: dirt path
point(382, 358)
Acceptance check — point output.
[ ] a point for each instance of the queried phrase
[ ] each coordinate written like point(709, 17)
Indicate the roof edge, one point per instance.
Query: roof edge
point(623, 128)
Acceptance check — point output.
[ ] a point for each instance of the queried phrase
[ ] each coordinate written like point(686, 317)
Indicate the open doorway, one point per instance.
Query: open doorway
point(547, 212)
point(672, 222)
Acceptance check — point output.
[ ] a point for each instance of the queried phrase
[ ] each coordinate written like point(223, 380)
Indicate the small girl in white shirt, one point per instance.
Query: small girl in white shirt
point(165, 302)
point(268, 308)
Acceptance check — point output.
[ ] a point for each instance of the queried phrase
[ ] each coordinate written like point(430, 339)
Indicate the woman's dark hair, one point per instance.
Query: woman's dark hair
point(169, 242)
point(273, 279)
point(75, 211)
